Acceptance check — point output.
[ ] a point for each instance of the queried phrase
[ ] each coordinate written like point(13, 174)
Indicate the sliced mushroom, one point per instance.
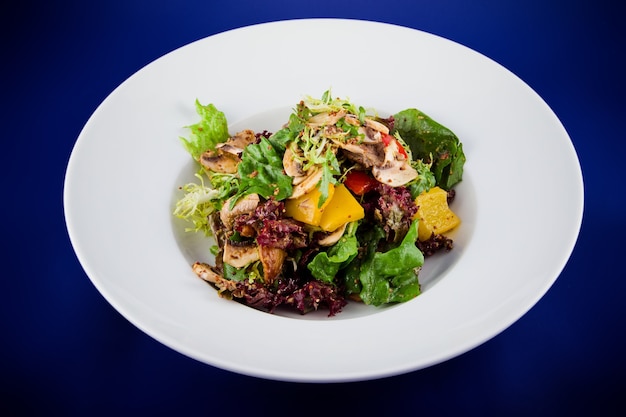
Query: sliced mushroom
point(371, 135)
point(396, 169)
point(233, 150)
point(396, 174)
point(206, 272)
point(242, 139)
point(217, 229)
point(240, 256)
point(226, 156)
point(220, 161)
point(245, 205)
point(365, 154)
point(373, 124)
point(210, 274)
point(333, 237)
point(293, 167)
point(308, 183)
point(367, 122)
point(272, 260)
point(326, 118)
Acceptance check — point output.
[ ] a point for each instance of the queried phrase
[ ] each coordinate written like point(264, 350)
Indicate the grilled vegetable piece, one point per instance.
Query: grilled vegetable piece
point(435, 217)
point(306, 208)
point(341, 209)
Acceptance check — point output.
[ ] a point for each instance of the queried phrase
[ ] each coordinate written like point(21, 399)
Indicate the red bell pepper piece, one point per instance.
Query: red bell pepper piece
point(360, 182)
point(387, 139)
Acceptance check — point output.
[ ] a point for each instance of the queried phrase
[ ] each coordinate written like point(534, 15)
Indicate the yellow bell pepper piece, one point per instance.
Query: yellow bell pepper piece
point(342, 208)
point(434, 214)
point(305, 208)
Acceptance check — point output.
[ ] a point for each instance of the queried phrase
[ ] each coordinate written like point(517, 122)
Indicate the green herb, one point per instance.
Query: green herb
point(249, 272)
point(330, 168)
point(425, 179)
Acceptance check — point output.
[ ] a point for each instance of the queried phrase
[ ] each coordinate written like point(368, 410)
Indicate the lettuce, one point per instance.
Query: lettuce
point(326, 265)
point(434, 143)
point(208, 132)
point(196, 205)
point(392, 276)
point(261, 172)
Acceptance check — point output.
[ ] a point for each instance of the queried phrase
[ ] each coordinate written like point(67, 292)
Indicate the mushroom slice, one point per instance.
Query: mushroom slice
point(246, 205)
point(367, 122)
point(233, 150)
point(240, 256)
point(209, 274)
point(217, 228)
point(310, 182)
point(373, 124)
point(293, 167)
point(333, 237)
point(220, 161)
point(242, 139)
point(396, 170)
point(396, 174)
point(365, 154)
point(226, 155)
point(326, 118)
point(272, 260)
point(371, 135)
point(298, 180)
point(206, 272)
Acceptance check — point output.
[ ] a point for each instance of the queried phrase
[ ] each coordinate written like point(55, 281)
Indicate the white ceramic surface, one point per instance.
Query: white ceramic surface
point(521, 200)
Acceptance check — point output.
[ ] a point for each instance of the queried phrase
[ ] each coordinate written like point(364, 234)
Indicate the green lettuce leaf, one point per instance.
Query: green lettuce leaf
point(392, 276)
point(208, 132)
point(434, 143)
point(325, 265)
point(261, 172)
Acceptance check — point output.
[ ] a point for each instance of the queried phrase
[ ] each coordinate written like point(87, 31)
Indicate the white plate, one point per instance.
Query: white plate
point(521, 199)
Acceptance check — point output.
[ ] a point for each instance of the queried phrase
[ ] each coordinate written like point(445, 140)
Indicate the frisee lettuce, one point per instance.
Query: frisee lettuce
point(196, 205)
point(201, 200)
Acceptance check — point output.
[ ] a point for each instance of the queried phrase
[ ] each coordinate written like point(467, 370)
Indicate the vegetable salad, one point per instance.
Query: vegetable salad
point(339, 204)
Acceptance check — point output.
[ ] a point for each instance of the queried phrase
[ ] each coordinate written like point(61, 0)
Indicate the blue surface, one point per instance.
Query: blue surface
point(66, 351)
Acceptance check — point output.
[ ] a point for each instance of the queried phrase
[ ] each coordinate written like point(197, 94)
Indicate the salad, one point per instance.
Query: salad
point(338, 205)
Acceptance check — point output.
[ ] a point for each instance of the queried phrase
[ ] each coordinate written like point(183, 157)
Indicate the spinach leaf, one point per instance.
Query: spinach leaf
point(434, 143)
point(261, 172)
point(326, 265)
point(392, 276)
point(280, 139)
point(368, 239)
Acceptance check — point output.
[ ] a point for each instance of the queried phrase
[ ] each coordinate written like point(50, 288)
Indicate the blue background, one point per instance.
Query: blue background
point(66, 351)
